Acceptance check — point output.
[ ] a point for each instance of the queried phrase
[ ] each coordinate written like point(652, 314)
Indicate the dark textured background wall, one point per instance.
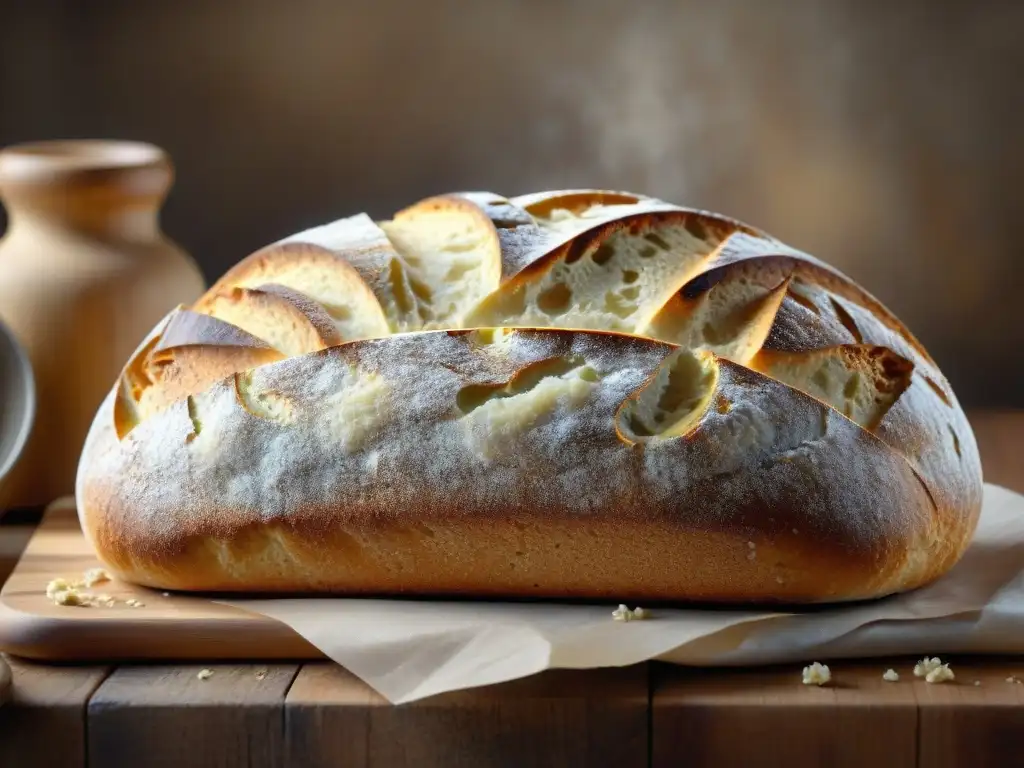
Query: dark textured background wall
point(883, 137)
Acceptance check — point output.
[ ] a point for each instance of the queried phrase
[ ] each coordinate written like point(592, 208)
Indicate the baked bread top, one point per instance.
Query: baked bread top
point(579, 360)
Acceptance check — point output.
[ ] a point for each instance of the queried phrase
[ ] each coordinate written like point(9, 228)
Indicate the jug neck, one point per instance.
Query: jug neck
point(109, 189)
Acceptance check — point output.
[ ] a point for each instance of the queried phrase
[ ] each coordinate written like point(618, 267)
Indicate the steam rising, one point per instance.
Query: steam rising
point(651, 106)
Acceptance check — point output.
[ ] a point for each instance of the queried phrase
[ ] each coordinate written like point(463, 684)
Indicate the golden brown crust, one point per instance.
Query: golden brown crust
point(800, 446)
point(681, 494)
point(322, 274)
point(542, 204)
point(285, 319)
point(185, 354)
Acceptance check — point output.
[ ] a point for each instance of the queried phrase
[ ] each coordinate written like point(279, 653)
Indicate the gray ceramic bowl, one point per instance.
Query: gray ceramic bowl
point(17, 400)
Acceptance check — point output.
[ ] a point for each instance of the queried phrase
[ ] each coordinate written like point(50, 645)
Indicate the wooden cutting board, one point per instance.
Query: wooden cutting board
point(165, 626)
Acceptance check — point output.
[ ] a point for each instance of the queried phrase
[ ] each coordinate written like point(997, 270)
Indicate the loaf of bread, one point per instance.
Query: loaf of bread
point(575, 394)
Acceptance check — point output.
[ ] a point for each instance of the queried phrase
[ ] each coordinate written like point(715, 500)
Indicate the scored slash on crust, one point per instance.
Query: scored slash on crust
point(531, 316)
point(671, 402)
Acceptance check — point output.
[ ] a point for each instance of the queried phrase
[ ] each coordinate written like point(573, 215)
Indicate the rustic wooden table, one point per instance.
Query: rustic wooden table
point(316, 714)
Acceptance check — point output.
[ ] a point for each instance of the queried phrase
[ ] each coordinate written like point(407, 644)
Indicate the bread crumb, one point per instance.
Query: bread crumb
point(977, 682)
point(205, 674)
point(1012, 679)
point(622, 613)
point(165, 594)
point(891, 676)
point(940, 674)
point(817, 674)
point(131, 602)
point(70, 597)
point(260, 674)
point(64, 592)
point(55, 586)
point(926, 665)
point(95, 576)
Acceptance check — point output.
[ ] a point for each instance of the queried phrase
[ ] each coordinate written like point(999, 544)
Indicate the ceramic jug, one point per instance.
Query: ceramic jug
point(85, 274)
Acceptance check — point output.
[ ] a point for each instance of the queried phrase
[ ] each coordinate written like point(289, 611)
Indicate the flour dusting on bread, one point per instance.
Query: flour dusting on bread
point(573, 393)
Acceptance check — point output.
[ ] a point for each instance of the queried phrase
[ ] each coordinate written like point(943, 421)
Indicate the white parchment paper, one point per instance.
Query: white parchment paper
point(410, 649)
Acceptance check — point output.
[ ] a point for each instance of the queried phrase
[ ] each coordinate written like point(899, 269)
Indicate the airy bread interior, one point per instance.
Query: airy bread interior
point(606, 261)
point(614, 277)
point(731, 318)
point(861, 382)
point(450, 259)
point(671, 403)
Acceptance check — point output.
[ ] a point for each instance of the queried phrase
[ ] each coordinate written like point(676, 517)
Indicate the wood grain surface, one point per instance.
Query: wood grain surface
point(973, 725)
point(319, 715)
point(769, 718)
point(167, 717)
point(44, 723)
point(557, 718)
point(166, 626)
